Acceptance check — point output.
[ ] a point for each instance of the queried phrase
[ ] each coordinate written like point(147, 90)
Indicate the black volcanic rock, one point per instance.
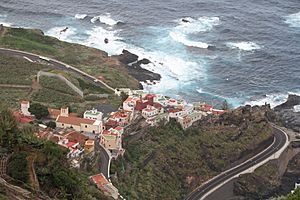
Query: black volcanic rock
point(127, 57)
point(292, 101)
point(286, 114)
point(135, 68)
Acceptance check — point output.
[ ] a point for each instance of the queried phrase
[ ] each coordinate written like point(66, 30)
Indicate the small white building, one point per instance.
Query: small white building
point(25, 105)
point(149, 111)
point(130, 103)
point(187, 120)
point(93, 114)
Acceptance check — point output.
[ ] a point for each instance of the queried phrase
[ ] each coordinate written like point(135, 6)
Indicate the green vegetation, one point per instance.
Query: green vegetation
point(162, 162)
point(53, 97)
point(294, 196)
point(38, 110)
point(90, 60)
point(12, 96)
point(18, 167)
point(56, 84)
point(17, 71)
point(56, 178)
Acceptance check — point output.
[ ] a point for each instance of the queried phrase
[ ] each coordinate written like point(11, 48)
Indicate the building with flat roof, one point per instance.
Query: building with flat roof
point(93, 114)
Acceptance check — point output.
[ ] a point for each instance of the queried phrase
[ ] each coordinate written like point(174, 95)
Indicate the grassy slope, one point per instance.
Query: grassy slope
point(17, 71)
point(90, 60)
point(168, 162)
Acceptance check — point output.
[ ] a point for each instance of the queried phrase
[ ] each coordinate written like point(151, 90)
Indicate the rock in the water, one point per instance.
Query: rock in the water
point(185, 20)
point(105, 40)
point(127, 57)
point(292, 101)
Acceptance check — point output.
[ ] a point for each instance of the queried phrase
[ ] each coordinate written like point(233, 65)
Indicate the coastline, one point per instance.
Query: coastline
point(134, 66)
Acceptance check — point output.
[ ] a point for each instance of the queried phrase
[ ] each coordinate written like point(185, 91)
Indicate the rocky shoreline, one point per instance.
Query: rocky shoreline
point(133, 64)
point(286, 114)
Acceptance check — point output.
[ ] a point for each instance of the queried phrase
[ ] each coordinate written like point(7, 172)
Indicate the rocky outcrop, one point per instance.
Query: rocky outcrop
point(286, 114)
point(133, 65)
point(126, 57)
point(292, 101)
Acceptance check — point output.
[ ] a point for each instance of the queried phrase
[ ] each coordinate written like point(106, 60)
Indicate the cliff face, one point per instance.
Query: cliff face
point(168, 163)
point(267, 181)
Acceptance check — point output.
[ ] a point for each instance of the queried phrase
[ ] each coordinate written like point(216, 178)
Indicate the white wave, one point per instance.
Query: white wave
point(189, 26)
point(200, 90)
point(80, 16)
point(202, 24)
point(96, 39)
point(165, 64)
point(105, 19)
point(62, 33)
point(293, 20)
point(179, 37)
point(6, 24)
point(272, 99)
point(245, 46)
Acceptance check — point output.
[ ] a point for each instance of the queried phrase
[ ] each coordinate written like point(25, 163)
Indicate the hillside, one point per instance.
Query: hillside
point(89, 60)
point(29, 155)
point(168, 163)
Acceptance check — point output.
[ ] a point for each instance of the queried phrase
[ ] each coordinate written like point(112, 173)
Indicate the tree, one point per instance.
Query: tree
point(38, 110)
point(51, 124)
point(225, 105)
point(9, 133)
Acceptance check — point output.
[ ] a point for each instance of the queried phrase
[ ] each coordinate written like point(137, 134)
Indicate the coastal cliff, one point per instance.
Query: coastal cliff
point(113, 70)
point(161, 163)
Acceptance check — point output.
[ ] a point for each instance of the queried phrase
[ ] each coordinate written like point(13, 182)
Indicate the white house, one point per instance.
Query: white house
point(93, 114)
point(149, 111)
point(25, 105)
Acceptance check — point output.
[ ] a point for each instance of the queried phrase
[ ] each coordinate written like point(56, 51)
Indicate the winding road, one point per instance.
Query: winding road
point(280, 142)
point(56, 64)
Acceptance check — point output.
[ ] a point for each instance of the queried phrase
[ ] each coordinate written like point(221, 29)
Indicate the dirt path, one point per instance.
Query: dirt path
point(35, 86)
point(32, 175)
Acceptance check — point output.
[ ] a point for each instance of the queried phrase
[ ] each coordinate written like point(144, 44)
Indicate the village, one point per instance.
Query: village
point(81, 135)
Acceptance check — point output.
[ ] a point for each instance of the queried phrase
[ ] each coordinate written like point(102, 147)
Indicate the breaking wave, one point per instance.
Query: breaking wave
point(245, 46)
point(105, 19)
point(80, 16)
point(293, 20)
point(272, 99)
point(62, 33)
point(188, 26)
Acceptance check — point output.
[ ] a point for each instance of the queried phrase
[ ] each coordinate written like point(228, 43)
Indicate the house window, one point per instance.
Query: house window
point(85, 126)
point(62, 124)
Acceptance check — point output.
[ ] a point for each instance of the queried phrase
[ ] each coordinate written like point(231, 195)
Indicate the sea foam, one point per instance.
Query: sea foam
point(105, 19)
point(245, 46)
point(63, 33)
point(293, 20)
point(272, 99)
point(80, 16)
point(187, 26)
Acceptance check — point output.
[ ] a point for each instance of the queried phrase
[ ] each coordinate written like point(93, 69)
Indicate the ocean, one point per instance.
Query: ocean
point(245, 52)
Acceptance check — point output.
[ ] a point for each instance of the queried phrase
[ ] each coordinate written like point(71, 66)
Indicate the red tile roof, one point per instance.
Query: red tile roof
point(74, 120)
point(76, 137)
point(99, 180)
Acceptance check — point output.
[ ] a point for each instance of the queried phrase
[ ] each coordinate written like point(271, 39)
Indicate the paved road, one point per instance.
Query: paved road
point(56, 64)
point(105, 159)
point(201, 192)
